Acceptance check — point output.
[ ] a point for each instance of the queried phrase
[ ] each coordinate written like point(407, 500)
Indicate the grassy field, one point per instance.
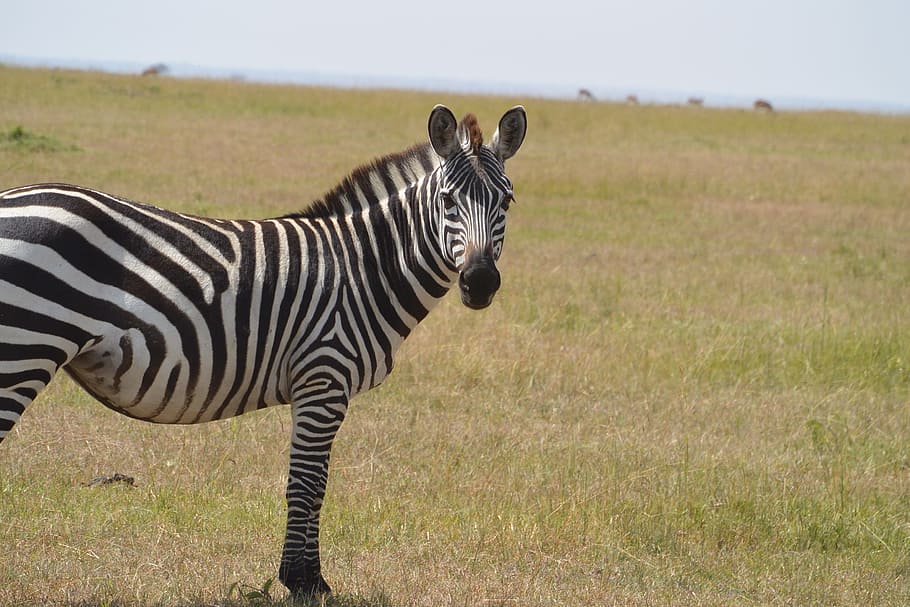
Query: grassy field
point(692, 389)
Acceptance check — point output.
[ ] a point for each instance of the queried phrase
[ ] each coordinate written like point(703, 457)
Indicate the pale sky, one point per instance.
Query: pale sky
point(826, 50)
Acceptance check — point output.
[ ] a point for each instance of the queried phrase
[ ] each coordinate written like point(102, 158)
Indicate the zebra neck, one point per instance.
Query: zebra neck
point(407, 262)
point(372, 183)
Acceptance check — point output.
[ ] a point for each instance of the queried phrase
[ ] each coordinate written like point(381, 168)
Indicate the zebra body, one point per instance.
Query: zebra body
point(185, 339)
point(171, 318)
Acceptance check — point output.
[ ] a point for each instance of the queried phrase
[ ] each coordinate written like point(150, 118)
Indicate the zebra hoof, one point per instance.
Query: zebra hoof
point(307, 586)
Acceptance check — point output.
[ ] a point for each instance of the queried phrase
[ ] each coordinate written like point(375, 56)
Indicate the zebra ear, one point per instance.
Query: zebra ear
point(442, 126)
point(511, 133)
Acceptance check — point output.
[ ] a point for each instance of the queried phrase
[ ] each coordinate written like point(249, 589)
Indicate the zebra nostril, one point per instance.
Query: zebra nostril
point(480, 279)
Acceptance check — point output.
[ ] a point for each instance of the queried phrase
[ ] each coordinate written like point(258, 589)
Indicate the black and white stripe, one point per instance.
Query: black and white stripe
point(171, 318)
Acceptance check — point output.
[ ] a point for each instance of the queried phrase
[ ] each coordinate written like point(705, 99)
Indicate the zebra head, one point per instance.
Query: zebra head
point(473, 195)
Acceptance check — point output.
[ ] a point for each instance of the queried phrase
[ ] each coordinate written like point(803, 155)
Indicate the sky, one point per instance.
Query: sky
point(830, 52)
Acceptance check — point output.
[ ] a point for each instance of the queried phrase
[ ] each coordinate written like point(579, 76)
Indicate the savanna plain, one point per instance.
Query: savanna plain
point(692, 389)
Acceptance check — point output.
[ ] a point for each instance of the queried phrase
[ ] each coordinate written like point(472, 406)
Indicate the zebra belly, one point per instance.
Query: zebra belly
point(142, 380)
point(112, 371)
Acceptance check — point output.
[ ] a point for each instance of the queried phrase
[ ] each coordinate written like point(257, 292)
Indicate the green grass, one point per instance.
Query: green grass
point(692, 388)
point(21, 139)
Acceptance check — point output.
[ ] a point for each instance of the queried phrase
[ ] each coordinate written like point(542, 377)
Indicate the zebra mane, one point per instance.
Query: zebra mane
point(471, 135)
point(372, 182)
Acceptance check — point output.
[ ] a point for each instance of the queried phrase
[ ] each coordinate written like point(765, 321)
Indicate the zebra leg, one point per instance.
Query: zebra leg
point(33, 347)
point(317, 417)
point(20, 382)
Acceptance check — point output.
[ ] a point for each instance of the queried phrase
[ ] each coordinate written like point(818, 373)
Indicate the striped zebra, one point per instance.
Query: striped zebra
point(177, 319)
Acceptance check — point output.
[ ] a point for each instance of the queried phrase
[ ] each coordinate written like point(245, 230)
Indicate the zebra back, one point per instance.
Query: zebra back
point(174, 318)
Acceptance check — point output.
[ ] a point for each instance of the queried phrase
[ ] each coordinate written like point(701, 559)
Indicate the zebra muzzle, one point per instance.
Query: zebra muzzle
point(479, 281)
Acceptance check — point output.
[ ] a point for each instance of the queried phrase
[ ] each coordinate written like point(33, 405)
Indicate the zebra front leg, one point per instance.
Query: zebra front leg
point(316, 420)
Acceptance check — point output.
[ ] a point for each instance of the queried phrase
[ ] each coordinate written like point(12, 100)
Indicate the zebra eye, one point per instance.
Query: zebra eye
point(448, 202)
point(507, 200)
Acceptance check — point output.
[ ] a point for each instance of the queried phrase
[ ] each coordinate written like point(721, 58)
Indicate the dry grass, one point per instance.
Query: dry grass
point(692, 389)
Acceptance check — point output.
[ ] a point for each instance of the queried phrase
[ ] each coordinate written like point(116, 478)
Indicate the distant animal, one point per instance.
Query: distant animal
point(155, 70)
point(585, 95)
point(763, 105)
point(696, 101)
point(632, 99)
point(177, 319)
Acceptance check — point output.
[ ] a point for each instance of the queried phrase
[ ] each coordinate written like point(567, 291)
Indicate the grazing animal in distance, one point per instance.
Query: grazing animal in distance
point(585, 95)
point(763, 105)
point(177, 319)
point(155, 70)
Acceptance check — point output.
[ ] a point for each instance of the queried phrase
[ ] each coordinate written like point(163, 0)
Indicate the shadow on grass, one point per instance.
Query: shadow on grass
point(342, 600)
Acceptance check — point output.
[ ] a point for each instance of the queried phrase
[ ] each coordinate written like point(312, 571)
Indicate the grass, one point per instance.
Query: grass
point(691, 390)
point(21, 139)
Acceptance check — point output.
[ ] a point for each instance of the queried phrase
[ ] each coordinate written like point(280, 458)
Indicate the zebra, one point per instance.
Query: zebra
point(179, 319)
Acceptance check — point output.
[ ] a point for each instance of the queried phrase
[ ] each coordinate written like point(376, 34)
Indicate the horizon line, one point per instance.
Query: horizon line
point(606, 93)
